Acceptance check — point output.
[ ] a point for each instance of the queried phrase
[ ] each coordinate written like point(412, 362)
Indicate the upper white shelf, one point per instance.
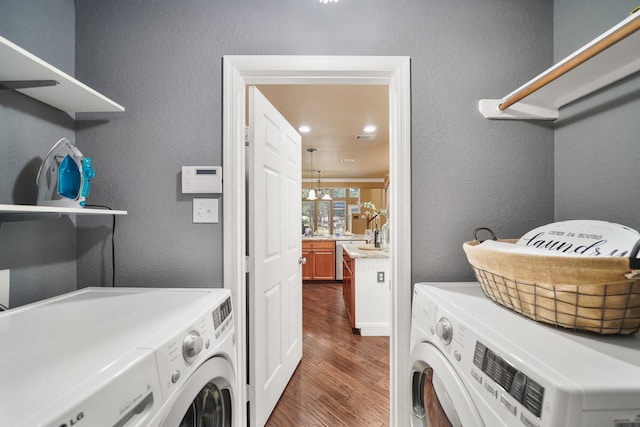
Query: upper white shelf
point(16, 64)
point(32, 212)
point(614, 63)
point(57, 210)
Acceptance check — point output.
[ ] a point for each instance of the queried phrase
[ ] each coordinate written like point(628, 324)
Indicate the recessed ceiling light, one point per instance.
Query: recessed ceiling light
point(369, 128)
point(304, 128)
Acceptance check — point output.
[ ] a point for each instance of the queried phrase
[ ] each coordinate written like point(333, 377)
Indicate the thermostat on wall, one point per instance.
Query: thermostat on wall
point(201, 179)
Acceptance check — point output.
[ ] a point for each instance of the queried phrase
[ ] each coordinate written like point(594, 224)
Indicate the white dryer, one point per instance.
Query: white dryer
point(476, 363)
point(118, 357)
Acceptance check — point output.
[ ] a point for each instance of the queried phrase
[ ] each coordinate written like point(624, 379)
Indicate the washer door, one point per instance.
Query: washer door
point(206, 398)
point(440, 399)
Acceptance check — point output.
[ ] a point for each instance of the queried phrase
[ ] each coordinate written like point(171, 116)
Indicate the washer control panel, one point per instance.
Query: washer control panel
point(183, 352)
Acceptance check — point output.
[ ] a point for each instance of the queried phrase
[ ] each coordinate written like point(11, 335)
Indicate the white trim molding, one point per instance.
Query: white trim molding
point(394, 71)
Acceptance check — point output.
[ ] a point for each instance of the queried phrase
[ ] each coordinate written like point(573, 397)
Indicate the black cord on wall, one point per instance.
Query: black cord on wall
point(113, 244)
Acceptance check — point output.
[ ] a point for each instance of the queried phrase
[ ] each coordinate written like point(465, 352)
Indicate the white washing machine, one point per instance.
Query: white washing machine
point(119, 357)
point(475, 363)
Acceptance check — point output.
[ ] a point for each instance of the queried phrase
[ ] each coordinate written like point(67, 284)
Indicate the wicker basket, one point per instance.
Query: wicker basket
point(600, 295)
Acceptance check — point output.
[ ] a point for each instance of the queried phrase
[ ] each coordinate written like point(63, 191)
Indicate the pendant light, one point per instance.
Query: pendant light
point(326, 196)
point(312, 192)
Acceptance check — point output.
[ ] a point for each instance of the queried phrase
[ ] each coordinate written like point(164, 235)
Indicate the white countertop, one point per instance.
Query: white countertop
point(356, 251)
point(341, 238)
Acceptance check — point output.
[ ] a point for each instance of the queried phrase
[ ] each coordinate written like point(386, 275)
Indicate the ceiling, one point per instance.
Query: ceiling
point(336, 114)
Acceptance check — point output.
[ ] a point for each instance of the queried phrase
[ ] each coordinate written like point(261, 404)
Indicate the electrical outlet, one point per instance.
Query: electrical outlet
point(4, 287)
point(205, 211)
point(380, 276)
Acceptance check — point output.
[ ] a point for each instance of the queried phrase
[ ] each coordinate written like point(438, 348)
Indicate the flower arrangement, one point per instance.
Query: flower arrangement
point(371, 212)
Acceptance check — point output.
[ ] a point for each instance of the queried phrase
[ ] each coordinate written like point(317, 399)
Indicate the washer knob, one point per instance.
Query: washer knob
point(444, 330)
point(191, 346)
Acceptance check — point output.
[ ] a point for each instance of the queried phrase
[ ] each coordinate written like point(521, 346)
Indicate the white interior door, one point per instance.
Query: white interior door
point(274, 156)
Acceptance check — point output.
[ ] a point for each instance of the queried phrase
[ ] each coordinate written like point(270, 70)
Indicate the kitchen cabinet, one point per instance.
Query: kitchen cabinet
point(26, 73)
point(306, 265)
point(348, 291)
point(340, 252)
point(321, 260)
point(605, 60)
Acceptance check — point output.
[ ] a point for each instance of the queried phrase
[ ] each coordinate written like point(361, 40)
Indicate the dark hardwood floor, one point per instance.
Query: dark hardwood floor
point(343, 378)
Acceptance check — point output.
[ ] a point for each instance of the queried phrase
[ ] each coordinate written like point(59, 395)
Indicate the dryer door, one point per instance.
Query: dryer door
point(440, 399)
point(206, 399)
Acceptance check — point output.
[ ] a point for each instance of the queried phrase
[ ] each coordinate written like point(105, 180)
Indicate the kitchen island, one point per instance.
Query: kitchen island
point(366, 289)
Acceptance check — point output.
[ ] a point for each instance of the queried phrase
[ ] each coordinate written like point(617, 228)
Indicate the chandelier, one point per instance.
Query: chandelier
point(326, 196)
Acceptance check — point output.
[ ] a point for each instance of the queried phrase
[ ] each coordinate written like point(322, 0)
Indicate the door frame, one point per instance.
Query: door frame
point(394, 71)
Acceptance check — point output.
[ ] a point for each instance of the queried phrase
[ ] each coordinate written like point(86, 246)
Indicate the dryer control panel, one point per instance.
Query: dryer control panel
point(222, 317)
point(519, 386)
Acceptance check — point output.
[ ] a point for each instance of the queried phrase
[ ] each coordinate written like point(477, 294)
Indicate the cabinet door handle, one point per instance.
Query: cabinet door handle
point(302, 260)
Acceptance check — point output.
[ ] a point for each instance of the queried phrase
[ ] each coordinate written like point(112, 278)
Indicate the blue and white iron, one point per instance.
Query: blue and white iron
point(64, 178)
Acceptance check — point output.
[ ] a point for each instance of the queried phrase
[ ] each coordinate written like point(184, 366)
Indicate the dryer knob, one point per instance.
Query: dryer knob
point(444, 330)
point(191, 346)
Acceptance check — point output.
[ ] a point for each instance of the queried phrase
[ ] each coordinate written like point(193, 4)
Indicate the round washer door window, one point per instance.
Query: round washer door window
point(210, 408)
point(435, 386)
point(206, 399)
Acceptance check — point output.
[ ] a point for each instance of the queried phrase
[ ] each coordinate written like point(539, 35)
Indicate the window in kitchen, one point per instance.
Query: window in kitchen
point(328, 217)
point(323, 223)
point(308, 215)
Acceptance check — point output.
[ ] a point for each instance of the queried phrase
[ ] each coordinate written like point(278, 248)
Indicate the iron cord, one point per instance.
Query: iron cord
point(113, 244)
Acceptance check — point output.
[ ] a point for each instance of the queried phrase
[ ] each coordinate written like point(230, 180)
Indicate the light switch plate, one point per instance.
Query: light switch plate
point(380, 276)
point(4, 287)
point(205, 211)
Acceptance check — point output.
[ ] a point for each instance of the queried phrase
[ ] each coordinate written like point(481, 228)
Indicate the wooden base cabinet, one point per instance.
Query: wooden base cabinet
point(348, 287)
point(321, 260)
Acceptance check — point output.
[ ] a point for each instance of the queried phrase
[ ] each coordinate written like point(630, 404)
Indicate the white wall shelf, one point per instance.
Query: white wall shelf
point(29, 212)
point(619, 60)
point(20, 69)
point(70, 95)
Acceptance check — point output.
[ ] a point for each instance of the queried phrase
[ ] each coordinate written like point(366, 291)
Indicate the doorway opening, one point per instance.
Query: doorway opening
point(335, 117)
point(239, 71)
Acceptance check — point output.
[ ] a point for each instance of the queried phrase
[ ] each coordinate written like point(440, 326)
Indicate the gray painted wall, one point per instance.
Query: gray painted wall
point(597, 139)
point(40, 254)
point(161, 59)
